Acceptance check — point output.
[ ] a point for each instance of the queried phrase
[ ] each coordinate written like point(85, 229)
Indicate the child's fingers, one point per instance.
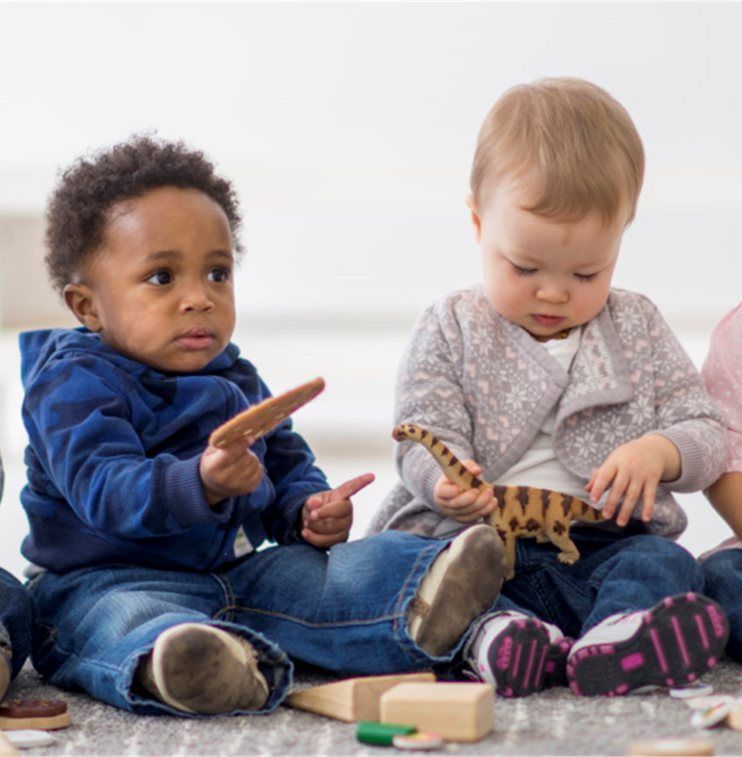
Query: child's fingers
point(331, 525)
point(601, 479)
point(321, 540)
point(618, 487)
point(633, 491)
point(650, 492)
point(338, 509)
point(352, 486)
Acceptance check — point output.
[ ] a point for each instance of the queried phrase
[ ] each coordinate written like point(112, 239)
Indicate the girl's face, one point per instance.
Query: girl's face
point(541, 274)
point(159, 288)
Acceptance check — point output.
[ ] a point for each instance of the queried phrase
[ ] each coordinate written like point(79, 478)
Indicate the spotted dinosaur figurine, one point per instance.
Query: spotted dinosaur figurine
point(521, 510)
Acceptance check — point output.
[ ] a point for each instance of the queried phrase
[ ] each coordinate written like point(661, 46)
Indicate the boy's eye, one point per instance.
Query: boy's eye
point(219, 275)
point(160, 278)
point(585, 276)
point(523, 271)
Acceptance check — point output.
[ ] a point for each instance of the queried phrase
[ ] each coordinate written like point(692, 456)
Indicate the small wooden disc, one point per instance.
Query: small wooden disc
point(43, 714)
point(259, 419)
point(672, 748)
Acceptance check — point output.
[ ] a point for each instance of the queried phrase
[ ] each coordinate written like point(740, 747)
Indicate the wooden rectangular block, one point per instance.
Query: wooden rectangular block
point(457, 711)
point(353, 698)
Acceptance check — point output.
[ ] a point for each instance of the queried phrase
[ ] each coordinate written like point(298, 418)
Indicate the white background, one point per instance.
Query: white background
point(348, 131)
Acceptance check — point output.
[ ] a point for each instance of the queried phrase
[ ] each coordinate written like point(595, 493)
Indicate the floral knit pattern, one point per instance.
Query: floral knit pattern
point(484, 386)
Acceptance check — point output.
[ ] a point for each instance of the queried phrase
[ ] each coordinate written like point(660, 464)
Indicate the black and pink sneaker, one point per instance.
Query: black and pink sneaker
point(670, 645)
point(514, 652)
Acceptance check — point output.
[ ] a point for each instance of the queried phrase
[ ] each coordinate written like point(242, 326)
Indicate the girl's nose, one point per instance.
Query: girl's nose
point(553, 294)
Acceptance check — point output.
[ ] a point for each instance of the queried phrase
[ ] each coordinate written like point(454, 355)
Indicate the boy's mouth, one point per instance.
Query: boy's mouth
point(196, 339)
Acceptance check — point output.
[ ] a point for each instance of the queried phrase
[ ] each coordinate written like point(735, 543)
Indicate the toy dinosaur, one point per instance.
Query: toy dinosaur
point(521, 510)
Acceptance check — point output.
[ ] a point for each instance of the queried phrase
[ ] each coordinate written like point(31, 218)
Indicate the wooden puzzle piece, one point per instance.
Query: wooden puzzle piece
point(44, 714)
point(259, 419)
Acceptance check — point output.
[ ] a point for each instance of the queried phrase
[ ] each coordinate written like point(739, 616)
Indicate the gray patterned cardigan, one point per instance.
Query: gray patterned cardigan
point(484, 386)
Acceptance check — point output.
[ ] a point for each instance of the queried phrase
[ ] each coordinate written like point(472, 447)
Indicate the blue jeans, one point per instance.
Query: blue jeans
point(344, 610)
point(16, 611)
point(615, 573)
point(723, 576)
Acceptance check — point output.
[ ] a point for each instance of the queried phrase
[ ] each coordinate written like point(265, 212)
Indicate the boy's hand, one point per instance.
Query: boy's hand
point(632, 470)
point(229, 471)
point(463, 506)
point(327, 516)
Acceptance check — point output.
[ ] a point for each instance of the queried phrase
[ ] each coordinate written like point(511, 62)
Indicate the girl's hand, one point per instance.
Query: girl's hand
point(632, 470)
point(463, 506)
point(328, 516)
point(229, 471)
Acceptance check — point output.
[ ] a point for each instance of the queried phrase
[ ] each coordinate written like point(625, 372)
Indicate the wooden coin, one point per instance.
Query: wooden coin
point(44, 714)
point(259, 419)
point(672, 748)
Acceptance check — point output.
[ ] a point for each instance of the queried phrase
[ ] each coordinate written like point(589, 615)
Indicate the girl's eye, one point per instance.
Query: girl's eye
point(585, 276)
point(219, 275)
point(523, 271)
point(160, 278)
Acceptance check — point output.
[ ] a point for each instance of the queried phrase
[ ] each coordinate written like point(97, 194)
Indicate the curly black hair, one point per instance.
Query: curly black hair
point(77, 209)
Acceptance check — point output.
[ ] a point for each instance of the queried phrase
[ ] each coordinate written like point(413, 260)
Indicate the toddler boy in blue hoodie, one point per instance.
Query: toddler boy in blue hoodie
point(153, 595)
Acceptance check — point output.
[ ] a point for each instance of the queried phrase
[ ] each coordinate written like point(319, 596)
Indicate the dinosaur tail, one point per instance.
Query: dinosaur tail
point(451, 466)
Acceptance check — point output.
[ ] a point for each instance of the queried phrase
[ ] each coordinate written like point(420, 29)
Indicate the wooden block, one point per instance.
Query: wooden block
point(734, 719)
point(457, 711)
point(352, 699)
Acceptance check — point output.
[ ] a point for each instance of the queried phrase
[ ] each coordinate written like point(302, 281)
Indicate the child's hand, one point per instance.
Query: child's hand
point(463, 506)
point(229, 471)
point(328, 516)
point(632, 470)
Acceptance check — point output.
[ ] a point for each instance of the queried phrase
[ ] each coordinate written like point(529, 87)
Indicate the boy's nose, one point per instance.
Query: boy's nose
point(196, 299)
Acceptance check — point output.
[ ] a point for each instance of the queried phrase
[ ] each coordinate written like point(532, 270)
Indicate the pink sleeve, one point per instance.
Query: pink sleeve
point(722, 373)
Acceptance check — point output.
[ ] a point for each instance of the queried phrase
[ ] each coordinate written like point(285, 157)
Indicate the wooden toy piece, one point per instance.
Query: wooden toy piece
point(671, 748)
point(43, 714)
point(456, 711)
point(522, 511)
point(352, 699)
point(266, 415)
point(734, 719)
point(6, 748)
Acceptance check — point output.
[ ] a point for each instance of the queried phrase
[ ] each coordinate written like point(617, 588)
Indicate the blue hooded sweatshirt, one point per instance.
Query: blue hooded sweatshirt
point(113, 456)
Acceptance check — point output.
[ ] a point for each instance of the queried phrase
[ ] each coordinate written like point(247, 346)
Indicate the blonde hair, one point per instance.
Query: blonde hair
point(575, 146)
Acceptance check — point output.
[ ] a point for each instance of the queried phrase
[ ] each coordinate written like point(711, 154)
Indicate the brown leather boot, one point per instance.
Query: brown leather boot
point(463, 582)
point(199, 668)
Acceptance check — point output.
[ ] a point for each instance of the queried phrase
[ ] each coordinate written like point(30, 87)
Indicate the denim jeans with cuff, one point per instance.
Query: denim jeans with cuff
point(16, 612)
point(723, 583)
point(617, 572)
point(343, 610)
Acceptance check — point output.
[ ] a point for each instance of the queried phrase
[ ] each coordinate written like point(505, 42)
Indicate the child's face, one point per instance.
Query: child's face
point(541, 274)
point(159, 289)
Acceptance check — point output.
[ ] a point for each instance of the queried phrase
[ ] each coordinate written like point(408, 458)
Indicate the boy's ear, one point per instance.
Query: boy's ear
point(80, 299)
point(476, 221)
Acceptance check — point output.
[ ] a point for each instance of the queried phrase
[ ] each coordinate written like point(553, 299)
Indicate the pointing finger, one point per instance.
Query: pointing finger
point(353, 486)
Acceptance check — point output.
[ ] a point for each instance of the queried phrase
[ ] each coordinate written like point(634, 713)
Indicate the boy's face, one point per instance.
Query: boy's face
point(159, 288)
point(541, 274)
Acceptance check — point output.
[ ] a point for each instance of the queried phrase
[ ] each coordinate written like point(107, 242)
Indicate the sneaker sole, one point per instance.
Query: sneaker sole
point(555, 668)
point(218, 683)
point(518, 657)
point(474, 575)
point(679, 639)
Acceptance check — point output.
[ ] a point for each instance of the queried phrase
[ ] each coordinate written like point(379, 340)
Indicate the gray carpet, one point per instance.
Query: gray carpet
point(551, 723)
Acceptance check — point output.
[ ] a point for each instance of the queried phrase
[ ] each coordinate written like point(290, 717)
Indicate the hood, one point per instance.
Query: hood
point(39, 348)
